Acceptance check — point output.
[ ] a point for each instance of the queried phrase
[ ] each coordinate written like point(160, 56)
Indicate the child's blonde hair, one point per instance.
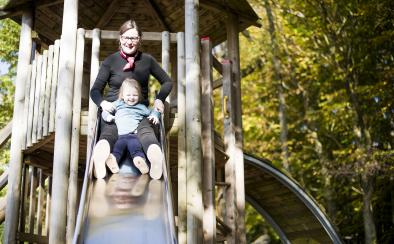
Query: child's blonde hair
point(129, 83)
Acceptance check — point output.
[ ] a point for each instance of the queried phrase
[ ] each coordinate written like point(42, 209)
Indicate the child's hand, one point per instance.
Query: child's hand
point(153, 119)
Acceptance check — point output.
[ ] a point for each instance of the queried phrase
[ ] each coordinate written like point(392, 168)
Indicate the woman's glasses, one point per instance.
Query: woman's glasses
point(130, 38)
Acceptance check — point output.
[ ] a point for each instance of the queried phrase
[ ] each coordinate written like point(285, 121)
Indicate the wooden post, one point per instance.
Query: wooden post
point(15, 164)
point(37, 99)
point(42, 94)
point(54, 81)
point(94, 68)
point(182, 230)
point(229, 144)
point(193, 123)
point(236, 114)
point(61, 160)
point(76, 128)
point(208, 144)
point(31, 104)
point(48, 86)
point(165, 51)
point(48, 206)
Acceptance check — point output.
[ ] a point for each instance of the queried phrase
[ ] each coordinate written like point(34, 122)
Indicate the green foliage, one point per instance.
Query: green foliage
point(335, 69)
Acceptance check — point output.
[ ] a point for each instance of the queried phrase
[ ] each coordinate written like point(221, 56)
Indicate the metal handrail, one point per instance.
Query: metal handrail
point(85, 188)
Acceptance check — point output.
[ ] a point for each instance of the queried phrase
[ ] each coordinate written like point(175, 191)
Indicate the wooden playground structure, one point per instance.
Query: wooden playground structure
point(53, 126)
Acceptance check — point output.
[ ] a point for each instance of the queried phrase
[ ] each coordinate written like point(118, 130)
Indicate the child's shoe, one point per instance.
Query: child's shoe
point(155, 157)
point(141, 165)
point(112, 164)
point(100, 155)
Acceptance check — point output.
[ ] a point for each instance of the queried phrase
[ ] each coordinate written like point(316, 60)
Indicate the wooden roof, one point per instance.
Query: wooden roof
point(151, 16)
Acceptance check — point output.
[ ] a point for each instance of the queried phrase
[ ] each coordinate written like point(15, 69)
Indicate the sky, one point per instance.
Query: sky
point(3, 68)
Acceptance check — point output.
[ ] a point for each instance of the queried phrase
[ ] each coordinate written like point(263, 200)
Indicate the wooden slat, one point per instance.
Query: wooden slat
point(48, 86)
point(24, 197)
point(37, 99)
point(48, 205)
point(42, 94)
point(26, 107)
point(32, 199)
point(54, 81)
point(40, 200)
point(31, 104)
point(31, 238)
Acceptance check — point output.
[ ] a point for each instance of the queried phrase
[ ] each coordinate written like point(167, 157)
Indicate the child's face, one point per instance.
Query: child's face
point(130, 96)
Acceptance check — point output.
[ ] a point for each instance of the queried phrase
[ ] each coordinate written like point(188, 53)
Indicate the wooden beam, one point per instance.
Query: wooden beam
point(15, 164)
point(5, 133)
point(3, 179)
point(146, 36)
point(219, 7)
point(151, 4)
point(193, 124)
point(62, 148)
point(108, 14)
point(217, 65)
point(181, 98)
point(208, 143)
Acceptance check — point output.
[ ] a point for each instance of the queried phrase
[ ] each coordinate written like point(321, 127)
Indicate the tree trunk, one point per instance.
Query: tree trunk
point(367, 183)
point(278, 80)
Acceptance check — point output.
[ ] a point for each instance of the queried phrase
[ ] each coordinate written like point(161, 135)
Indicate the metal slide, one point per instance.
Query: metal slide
point(126, 207)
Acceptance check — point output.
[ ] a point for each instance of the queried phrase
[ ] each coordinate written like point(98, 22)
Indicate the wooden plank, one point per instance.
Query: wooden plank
point(146, 36)
point(46, 140)
point(54, 81)
point(24, 197)
point(40, 201)
point(4, 179)
point(31, 104)
point(76, 127)
point(48, 205)
point(94, 68)
point(42, 95)
point(217, 65)
point(33, 199)
point(208, 144)
point(193, 124)
point(31, 238)
point(26, 106)
point(5, 133)
point(36, 99)
point(62, 148)
point(15, 164)
point(182, 221)
point(157, 13)
point(236, 116)
point(108, 14)
point(48, 86)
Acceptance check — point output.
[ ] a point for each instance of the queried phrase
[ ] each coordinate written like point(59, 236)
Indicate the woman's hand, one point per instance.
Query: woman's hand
point(159, 106)
point(107, 106)
point(153, 119)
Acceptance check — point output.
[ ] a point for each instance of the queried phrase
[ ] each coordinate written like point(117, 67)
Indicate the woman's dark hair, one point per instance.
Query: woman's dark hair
point(130, 24)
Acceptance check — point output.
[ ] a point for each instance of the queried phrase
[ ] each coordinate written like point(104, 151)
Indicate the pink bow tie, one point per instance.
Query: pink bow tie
point(129, 59)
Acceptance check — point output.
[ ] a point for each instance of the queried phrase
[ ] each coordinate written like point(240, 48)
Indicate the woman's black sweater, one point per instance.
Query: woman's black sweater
point(111, 73)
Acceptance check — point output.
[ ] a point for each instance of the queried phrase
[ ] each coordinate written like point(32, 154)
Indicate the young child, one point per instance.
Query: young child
point(128, 114)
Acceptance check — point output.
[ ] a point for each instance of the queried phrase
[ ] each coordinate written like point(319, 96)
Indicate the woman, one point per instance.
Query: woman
point(128, 62)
